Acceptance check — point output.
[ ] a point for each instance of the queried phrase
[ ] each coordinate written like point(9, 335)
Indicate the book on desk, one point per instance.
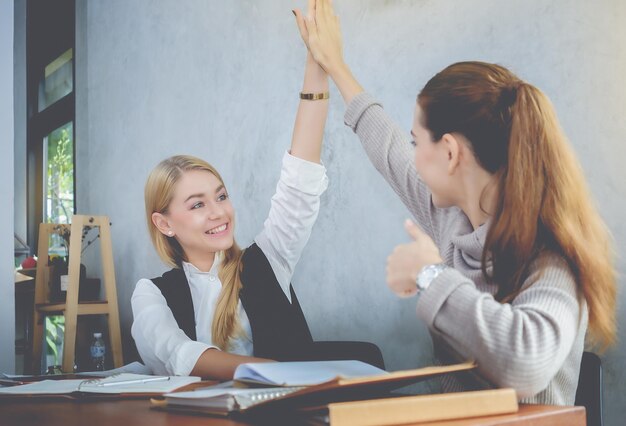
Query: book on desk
point(416, 408)
point(299, 393)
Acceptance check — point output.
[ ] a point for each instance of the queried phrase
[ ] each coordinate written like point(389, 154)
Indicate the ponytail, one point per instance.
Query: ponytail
point(544, 205)
point(225, 324)
point(513, 238)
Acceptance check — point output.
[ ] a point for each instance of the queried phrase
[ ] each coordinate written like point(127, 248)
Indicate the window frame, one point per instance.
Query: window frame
point(46, 41)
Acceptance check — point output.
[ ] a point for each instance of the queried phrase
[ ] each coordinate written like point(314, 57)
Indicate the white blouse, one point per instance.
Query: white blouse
point(163, 346)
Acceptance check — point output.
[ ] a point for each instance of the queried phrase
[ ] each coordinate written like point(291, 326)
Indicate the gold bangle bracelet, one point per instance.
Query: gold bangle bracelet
point(314, 96)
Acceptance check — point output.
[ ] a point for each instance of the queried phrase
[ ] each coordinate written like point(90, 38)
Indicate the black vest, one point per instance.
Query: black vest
point(279, 329)
point(264, 301)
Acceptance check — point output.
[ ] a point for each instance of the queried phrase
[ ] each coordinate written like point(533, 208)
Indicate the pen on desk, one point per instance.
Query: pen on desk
point(9, 382)
point(133, 381)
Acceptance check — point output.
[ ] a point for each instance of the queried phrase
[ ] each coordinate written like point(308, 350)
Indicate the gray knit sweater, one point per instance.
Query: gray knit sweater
point(533, 344)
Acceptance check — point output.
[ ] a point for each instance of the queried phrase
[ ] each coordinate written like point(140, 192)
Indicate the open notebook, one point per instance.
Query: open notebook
point(118, 384)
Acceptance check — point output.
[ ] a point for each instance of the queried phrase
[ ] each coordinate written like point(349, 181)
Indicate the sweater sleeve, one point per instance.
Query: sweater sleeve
point(388, 148)
point(521, 344)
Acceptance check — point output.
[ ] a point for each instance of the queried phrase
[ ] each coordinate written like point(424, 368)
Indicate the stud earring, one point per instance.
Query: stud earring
point(170, 233)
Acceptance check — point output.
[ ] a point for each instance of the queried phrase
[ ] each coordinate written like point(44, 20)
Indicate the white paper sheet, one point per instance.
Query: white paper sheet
point(303, 373)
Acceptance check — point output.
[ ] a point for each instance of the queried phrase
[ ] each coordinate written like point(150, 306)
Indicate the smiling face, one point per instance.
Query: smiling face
point(200, 217)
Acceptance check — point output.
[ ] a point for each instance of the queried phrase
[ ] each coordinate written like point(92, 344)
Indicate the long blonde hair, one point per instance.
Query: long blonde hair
point(158, 194)
point(543, 203)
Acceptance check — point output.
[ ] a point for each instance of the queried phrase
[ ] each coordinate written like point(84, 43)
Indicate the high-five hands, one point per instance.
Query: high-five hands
point(407, 260)
point(321, 33)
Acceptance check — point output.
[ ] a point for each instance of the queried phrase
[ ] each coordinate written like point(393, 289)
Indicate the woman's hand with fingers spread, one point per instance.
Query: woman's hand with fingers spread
point(322, 35)
point(300, 20)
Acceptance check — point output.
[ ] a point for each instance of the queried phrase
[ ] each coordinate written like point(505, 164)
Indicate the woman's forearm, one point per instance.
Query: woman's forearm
point(308, 130)
point(218, 365)
point(348, 86)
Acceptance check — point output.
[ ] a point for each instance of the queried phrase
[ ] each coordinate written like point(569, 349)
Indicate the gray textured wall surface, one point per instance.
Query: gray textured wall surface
point(220, 80)
point(19, 146)
point(19, 85)
point(7, 289)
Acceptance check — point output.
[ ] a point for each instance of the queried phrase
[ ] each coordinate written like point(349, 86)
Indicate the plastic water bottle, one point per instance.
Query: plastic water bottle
point(97, 352)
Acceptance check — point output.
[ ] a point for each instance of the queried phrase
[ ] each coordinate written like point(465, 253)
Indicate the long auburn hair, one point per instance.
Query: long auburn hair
point(543, 203)
point(158, 194)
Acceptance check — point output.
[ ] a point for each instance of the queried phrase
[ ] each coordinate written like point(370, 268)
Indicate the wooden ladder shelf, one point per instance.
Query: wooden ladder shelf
point(72, 308)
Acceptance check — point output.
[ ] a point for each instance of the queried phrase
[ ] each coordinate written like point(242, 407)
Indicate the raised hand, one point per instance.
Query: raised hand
point(321, 33)
point(407, 260)
point(322, 36)
point(300, 21)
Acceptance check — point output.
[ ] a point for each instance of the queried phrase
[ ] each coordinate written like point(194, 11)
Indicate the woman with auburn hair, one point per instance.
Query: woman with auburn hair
point(512, 262)
point(221, 306)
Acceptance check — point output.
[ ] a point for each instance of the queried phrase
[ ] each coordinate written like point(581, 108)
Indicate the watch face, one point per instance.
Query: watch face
point(428, 274)
point(426, 277)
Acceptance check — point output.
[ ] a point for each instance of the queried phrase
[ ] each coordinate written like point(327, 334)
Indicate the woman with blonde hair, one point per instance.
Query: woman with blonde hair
point(221, 306)
point(512, 263)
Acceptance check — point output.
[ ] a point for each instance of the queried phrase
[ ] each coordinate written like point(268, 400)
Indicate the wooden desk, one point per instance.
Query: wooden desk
point(137, 412)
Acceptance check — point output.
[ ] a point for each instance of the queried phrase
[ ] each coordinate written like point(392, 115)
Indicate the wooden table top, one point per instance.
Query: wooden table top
point(38, 411)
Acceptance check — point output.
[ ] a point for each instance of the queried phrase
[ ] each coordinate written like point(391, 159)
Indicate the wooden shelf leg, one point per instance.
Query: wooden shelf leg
point(108, 270)
point(41, 283)
point(71, 301)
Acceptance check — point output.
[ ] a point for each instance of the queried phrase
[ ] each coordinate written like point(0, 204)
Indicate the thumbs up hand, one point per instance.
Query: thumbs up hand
point(407, 260)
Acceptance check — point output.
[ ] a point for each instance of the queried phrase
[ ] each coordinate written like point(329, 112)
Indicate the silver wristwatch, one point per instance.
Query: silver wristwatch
point(428, 274)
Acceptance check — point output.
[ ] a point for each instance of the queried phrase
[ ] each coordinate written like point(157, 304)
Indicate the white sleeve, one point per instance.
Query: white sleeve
point(163, 346)
point(293, 212)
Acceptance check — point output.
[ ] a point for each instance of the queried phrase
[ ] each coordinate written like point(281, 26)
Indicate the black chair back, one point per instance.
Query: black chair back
point(590, 387)
point(341, 350)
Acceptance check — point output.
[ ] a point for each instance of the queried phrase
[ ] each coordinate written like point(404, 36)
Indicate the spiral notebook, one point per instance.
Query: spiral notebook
point(222, 401)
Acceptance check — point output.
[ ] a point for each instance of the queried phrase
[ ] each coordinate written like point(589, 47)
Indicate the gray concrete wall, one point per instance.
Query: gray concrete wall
point(19, 84)
point(220, 80)
point(19, 152)
point(7, 289)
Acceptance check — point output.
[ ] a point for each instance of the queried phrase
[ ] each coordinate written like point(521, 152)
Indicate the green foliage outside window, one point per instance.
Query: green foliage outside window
point(60, 176)
point(59, 208)
point(55, 327)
